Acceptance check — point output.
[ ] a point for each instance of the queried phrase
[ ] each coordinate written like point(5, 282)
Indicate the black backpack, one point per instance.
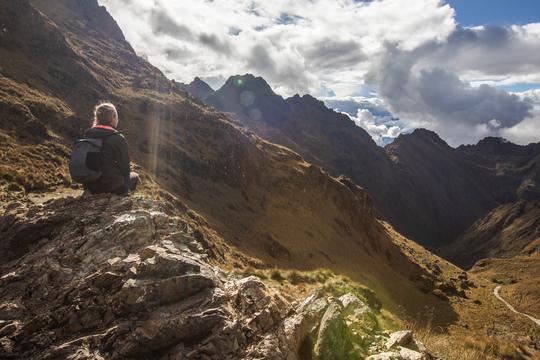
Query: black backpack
point(84, 165)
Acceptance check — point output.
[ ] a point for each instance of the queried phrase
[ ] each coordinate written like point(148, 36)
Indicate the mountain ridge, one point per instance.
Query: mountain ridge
point(418, 171)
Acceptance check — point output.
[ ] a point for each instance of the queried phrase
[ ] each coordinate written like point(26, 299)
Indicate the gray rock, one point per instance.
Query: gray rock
point(385, 356)
point(408, 354)
point(119, 278)
point(399, 338)
point(333, 341)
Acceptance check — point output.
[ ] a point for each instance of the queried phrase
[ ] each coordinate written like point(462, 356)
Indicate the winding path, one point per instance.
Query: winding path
point(498, 296)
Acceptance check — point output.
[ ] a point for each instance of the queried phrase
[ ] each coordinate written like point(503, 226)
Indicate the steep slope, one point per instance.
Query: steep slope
point(455, 187)
point(515, 169)
point(140, 278)
point(507, 231)
point(444, 191)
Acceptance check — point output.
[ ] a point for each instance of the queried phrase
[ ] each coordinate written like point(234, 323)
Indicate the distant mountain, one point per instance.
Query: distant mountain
point(305, 125)
point(197, 88)
point(441, 191)
point(430, 191)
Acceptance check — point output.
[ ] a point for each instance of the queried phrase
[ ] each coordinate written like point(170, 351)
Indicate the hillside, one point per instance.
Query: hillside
point(305, 125)
point(140, 278)
point(235, 199)
point(443, 189)
point(509, 230)
point(504, 246)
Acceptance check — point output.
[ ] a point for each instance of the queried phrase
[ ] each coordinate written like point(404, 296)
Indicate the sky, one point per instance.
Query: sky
point(466, 69)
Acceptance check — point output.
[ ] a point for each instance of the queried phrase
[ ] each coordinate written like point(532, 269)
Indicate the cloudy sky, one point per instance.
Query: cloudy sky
point(464, 68)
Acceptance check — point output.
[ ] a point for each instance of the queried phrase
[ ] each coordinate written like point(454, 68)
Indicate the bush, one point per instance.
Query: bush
point(277, 276)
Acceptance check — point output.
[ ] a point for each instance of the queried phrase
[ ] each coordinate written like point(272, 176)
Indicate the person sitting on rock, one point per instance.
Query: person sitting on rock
point(113, 162)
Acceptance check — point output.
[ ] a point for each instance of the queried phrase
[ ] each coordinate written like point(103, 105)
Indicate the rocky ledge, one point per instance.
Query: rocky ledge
point(106, 277)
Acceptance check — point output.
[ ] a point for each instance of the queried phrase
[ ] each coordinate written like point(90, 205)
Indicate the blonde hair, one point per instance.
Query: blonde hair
point(104, 114)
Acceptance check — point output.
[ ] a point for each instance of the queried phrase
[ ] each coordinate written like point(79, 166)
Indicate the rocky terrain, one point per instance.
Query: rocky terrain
point(104, 277)
point(166, 273)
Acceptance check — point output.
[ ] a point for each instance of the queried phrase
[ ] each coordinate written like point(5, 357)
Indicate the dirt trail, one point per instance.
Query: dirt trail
point(498, 296)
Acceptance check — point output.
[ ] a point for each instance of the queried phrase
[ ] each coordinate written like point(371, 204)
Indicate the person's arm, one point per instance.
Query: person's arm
point(123, 161)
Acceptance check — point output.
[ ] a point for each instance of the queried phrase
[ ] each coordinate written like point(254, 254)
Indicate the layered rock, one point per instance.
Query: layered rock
point(117, 278)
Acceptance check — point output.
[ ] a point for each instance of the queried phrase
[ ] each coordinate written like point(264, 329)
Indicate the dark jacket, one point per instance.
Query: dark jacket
point(114, 163)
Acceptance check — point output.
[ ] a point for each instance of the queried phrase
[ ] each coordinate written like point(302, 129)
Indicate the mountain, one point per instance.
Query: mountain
point(305, 125)
point(444, 190)
point(197, 88)
point(428, 190)
point(164, 273)
point(507, 231)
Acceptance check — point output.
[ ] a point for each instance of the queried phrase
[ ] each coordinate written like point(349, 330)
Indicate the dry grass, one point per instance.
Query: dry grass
point(466, 347)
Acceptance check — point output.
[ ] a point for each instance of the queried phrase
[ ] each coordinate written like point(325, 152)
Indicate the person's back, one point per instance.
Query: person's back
point(113, 159)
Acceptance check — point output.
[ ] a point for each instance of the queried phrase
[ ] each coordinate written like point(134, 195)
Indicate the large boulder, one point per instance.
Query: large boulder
point(333, 342)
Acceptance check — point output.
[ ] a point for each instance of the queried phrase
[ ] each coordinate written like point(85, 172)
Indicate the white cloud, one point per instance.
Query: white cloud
point(528, 130)
point(414, 55)
point(379, 129)
point(297, 46)
point(371, 114)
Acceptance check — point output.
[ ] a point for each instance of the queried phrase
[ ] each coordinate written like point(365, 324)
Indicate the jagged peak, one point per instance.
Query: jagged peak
point(249, 82)
point(419, 135)
point(199, 82)
point(307, 99)
point(492, 145)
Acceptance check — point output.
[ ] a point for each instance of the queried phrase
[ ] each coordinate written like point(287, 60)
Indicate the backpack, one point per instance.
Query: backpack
point(84, 164)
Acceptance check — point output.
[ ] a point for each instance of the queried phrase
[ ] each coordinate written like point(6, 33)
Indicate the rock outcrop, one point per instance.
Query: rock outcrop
point(105, 277)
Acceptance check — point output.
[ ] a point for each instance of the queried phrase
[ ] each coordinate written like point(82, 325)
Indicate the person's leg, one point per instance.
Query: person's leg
point(134, 180)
